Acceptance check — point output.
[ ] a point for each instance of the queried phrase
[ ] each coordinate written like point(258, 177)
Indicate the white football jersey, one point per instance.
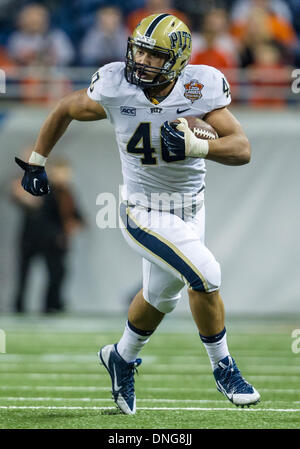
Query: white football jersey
point(149, 169)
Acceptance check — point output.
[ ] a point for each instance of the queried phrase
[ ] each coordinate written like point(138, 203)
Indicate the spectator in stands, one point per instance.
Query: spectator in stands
point(269, 78)
point(153, 7)
point(48, 225)
point(86, 9)
point(38, 48)
point(107, 40)
point(242, 8)
point(214, 45)
point(34, 43)
point(259, 25)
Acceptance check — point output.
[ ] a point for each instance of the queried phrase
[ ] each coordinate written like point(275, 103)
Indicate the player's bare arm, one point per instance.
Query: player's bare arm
point(75, 106)
point(232, 147)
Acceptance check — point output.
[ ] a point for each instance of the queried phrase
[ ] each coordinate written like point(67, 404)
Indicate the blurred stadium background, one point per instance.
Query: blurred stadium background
point(50, 48)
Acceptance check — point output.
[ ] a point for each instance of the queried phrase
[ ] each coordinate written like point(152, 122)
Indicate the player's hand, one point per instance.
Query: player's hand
point(180, 139)
point(35, 179)
point(174, 140)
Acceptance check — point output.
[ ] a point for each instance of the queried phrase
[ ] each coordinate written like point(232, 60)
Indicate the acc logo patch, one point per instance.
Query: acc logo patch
point(128, 110)
point(193, 90)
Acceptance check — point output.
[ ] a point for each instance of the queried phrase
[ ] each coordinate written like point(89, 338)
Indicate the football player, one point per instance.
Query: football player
point(141, 98)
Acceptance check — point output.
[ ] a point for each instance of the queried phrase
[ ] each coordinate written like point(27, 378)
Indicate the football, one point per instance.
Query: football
point(200, 128)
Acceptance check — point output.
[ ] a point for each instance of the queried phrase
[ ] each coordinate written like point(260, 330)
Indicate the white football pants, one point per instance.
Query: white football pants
point(173, 251)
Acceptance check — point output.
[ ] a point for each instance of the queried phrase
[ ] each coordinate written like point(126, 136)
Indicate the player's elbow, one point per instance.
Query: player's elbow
point(244, 151)
point(71, 105)
point(61, 109)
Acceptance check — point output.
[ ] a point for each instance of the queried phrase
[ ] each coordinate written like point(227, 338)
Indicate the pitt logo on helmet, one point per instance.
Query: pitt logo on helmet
point(182, 37)
point(168, 39)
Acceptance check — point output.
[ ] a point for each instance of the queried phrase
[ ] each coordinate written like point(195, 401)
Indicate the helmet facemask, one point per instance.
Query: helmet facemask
point(134, 70)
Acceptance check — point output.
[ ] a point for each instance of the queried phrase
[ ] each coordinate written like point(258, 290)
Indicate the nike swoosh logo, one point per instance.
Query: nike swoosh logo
point(116, 386)
point(181, 111)
point(229, 396)
point(34, 182)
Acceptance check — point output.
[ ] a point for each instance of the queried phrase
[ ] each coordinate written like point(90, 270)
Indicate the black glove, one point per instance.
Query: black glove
point(35, 179)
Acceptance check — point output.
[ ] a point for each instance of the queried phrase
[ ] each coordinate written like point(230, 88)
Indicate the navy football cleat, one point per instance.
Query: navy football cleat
point(122, 378)
point(231, 383)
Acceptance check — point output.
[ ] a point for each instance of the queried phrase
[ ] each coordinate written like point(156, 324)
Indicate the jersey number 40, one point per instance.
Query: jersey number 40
point(140, 143)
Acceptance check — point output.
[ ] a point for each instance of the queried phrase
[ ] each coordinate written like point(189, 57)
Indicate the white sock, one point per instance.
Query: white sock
point(132, 342)
point(216, 350)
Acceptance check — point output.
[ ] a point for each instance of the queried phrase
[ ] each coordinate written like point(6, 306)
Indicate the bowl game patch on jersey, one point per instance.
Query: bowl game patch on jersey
point(193, 90)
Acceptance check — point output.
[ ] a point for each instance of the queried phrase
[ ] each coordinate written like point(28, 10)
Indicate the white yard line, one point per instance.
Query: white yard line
point(156, 367)
point(96, 388)
point(84, 357)
point(53, 388)
point(88, 399)
point(91, 376)
point(42, 407)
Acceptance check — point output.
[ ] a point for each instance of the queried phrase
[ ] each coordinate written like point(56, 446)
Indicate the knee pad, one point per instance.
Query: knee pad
point(162, 302)
point(161, 289)
point(166, 305)
point(211, 273)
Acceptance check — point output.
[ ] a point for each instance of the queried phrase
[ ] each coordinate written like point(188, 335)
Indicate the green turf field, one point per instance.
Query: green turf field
point(50, 376)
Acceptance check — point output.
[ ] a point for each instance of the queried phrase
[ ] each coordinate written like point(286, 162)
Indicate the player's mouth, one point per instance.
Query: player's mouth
point(143, 75)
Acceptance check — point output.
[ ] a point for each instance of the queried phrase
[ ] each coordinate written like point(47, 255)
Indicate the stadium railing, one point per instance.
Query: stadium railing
point(256, 87)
